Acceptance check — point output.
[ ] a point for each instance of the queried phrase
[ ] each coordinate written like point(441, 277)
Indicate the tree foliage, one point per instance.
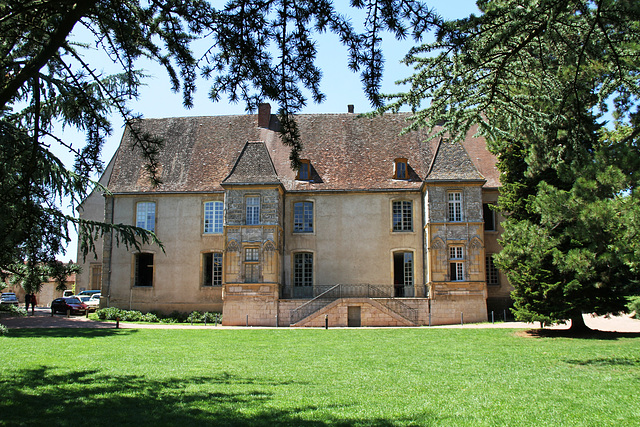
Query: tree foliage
point(538, 77)
point(251, 50)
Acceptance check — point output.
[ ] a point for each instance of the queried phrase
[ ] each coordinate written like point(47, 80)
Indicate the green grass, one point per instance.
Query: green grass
point(343, 377)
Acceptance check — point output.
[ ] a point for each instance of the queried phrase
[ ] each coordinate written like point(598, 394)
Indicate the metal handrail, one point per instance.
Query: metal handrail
point(315, 304)
point(394, 305)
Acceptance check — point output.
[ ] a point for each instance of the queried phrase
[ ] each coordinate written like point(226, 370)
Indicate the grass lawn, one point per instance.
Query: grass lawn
point(344, 377)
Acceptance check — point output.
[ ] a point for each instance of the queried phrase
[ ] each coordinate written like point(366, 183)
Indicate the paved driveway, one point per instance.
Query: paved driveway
point(43, 319)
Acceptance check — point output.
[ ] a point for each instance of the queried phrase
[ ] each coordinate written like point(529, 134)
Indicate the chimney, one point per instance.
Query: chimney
point(350, 108)
point(264, 115)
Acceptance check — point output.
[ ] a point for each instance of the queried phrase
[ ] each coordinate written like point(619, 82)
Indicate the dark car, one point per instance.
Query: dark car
point(71, 304)
point(9, 298)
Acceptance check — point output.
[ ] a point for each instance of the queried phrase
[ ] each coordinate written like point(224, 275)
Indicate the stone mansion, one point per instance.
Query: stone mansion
point(374, 229)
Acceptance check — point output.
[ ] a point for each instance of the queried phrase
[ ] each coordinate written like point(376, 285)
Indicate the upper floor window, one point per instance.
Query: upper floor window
point(303, 217)
point(456, 263)
point(455, 206)
point(213, 214)
point(253, 210)
point(401, 169)
point(489, 216)
point(146, 215)
point(402, 215)
point(304, 171)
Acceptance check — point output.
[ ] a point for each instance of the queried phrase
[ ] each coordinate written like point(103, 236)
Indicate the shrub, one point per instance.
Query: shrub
point(13, 310)
point(110, 313)
point(180, 317)
point(150, 317)
point(3, 330)
point(634, 306)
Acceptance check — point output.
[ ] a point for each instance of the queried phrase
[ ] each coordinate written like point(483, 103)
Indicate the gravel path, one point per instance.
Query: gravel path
point(43, 319)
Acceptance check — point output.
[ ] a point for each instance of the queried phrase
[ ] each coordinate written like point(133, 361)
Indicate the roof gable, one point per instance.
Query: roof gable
point(254, 166)
point(452, 163)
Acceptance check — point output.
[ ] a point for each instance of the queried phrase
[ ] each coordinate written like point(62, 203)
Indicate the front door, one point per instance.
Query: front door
point(353, 316)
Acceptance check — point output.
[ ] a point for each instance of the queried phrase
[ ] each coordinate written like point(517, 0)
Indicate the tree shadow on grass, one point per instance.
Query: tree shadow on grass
point(45, 396)
point(68, 333)
point(607, 361)
point(589, 334)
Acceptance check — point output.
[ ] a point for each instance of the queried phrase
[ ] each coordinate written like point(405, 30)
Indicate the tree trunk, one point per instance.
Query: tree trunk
point(577, 324)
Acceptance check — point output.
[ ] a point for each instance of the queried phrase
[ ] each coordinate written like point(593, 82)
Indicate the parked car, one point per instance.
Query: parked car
point(67, 293)
point(91, 301)
point(71, 304)
point(90, 292)
point(9, 298)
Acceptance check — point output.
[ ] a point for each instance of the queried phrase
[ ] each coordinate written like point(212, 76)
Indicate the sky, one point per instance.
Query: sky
point(340, 85)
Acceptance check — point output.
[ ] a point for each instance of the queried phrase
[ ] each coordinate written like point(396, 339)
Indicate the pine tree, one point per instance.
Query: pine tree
point(538, 77)
point(258, 51)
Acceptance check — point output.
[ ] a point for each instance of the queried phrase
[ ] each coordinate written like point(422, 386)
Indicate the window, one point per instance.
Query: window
point(146, 215)
point(303, 217)
point(212, 269)
point(403, 216)
point(491, 271)
point(401, 169)
point(304, 171)
point(253, 210)
point(455, 206)
point(303, 269)
point(456, 263)
point(144, 270)
point(251, 265)
point(213, 214)
point(489, 216)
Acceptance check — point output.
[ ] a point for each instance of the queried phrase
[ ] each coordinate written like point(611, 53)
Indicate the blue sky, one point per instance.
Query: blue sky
point(339, 84)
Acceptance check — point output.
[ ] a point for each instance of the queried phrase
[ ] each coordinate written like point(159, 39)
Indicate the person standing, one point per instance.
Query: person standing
point(34, 301)
point(27, 300)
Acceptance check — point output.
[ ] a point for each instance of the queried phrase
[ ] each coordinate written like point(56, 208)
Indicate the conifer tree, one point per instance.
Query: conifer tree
point(538, 78)
point(256, 51)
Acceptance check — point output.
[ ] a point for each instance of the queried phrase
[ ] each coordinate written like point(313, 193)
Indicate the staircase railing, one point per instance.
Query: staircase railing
point(383, 295)
point(393, 304)
point(311, 306)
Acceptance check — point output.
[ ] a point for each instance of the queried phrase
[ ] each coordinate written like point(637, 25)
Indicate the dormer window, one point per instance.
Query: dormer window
point(401, 168)
point(304, 171)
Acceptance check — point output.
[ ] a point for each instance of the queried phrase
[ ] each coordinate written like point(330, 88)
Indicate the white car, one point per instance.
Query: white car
point(92, 301)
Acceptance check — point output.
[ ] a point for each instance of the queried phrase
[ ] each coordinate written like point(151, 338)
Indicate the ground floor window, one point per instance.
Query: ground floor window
point(456, 263)
point(212, 269)
point(402, 273)
point(303, 269)
point(144, 270)
point(491, 271)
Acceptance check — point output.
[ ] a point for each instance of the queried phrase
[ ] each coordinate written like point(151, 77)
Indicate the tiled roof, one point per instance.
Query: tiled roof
point(452, 163)
point(254, 166)
point(346, 152)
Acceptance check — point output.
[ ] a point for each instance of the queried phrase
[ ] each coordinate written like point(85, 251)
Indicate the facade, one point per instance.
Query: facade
point(374, 229)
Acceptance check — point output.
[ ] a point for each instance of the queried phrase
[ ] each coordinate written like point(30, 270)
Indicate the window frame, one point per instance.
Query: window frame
point(252, 210)
point(401, 168)
point(454, 207)
point(492, 274)
point(137, 271)
point(456, 263)
point(215, 274)
point(251, 264)
point(486, 209)
point(304, 171)
point(213, 219)
point(303, 269)
point(143, 218)
point(399, 223)
point(301, 223)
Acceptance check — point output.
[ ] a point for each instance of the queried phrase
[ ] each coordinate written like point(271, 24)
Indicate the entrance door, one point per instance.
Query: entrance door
point(403, 274)
point(353, 316)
